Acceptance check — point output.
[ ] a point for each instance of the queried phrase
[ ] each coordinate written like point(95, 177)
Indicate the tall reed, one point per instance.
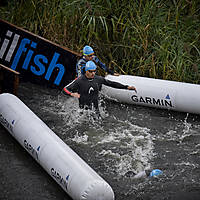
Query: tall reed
point(153, 38)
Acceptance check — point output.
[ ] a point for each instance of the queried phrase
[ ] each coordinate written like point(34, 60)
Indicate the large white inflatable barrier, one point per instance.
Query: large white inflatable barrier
point(172, 95)
point(74, 175)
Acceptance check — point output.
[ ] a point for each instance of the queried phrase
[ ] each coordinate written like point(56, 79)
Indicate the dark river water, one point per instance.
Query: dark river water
point(127, 138)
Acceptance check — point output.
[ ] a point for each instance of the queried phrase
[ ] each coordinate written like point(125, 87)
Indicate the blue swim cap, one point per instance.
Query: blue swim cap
point(87, 50)
point(155, 172)
point(90, 65)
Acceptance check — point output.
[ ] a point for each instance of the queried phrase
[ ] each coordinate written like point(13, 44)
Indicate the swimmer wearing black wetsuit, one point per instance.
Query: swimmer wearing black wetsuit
point(87, 87)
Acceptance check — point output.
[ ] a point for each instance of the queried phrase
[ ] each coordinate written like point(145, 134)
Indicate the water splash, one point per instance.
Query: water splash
point(125, 147)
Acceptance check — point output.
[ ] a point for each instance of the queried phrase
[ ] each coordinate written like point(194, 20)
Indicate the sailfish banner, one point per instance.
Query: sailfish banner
point(37, 59)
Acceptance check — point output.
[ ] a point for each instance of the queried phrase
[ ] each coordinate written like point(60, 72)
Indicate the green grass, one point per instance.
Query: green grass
point(153, 38)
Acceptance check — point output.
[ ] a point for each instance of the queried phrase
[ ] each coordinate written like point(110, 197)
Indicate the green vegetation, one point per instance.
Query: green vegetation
point(152, 38)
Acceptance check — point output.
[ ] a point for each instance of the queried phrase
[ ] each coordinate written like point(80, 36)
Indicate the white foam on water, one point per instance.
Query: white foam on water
point(135, 147)
point(121, 145)
point(125, 146)
point(73, 115)
point(186, 129)
point(196, 150)
point(82, 139)
point(180, 132)
point(187, 164)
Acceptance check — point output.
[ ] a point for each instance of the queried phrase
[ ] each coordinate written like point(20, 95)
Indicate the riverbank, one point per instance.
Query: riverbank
point(156, 39)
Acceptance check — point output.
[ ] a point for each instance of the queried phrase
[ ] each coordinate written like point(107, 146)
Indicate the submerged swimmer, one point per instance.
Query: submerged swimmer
point(144, 174)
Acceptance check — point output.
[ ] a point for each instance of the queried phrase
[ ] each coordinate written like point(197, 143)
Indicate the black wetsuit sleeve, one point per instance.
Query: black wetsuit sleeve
point(71, 88)
point(114, 84)
point(102, 65)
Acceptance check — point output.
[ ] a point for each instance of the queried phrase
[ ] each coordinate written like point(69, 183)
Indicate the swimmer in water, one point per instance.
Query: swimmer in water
point(144, 174)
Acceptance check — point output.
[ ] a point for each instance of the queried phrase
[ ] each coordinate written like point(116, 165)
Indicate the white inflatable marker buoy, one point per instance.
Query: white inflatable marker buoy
point(172, 95)
point(74, 175)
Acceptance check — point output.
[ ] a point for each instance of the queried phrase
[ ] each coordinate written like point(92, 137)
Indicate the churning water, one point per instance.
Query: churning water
point(126, 138)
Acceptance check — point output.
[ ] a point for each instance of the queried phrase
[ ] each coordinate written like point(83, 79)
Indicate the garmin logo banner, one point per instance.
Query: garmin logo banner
point(34, 57)
point(154, 101)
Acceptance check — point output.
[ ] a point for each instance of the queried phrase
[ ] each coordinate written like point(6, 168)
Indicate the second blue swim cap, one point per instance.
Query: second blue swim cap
point(155, 172)
point(90, 65)
point(87, 50)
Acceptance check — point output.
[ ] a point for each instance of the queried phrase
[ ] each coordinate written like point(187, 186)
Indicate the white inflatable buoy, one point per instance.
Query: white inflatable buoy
point(74, 175)
point(172, 95)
